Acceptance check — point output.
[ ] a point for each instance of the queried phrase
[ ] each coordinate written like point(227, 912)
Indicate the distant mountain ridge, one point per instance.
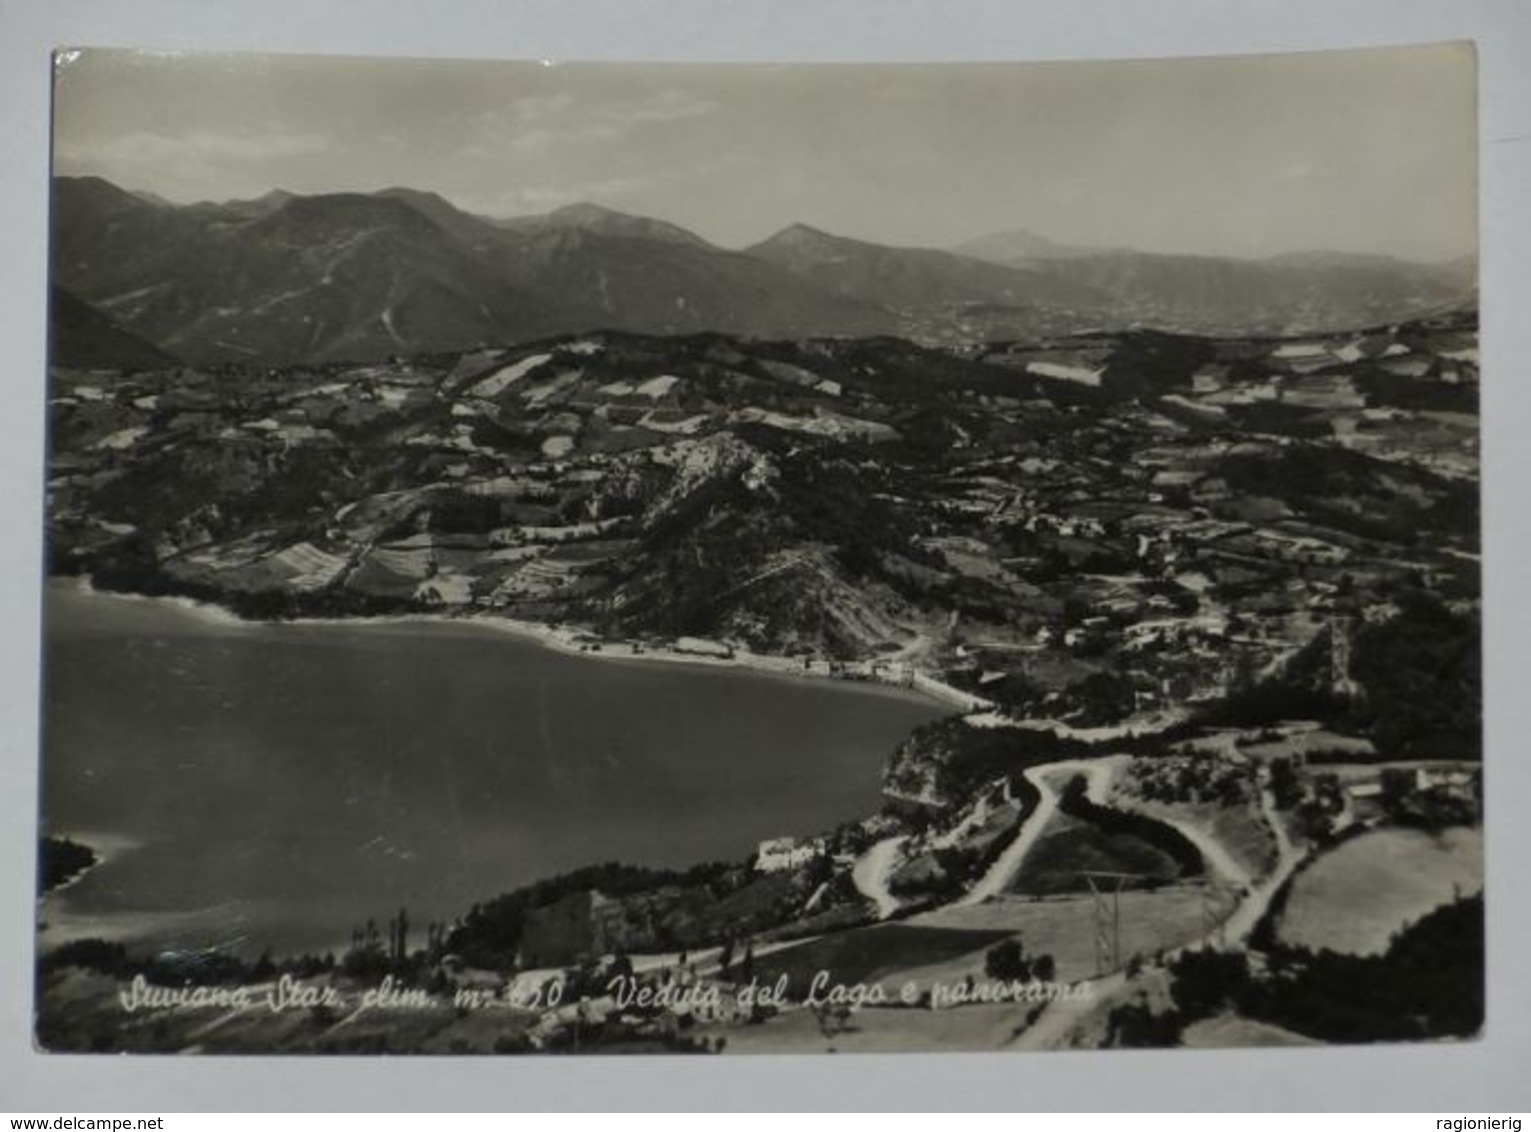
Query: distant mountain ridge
point(1017, 245)
point(288, 278)
point(1294, 292)
point(908, 277)
point(596, 218)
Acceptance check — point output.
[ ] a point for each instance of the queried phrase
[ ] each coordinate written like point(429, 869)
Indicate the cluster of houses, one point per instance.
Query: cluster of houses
point(778, 853)
point(1447, 781)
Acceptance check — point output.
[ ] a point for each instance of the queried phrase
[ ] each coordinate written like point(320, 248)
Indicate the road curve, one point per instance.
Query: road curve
point(1098, 774)
point(871, 871)
point(1060, 1017)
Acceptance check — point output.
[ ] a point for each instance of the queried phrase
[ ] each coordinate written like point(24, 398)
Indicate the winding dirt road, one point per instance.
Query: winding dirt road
point(1061, 1019)
point(1098, 774)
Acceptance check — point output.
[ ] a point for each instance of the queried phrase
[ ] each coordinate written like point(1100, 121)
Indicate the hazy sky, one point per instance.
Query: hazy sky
point(1370, 151)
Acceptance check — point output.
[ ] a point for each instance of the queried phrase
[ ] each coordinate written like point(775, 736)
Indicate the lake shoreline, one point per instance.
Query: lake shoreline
point(573, 641)
point(519, 748)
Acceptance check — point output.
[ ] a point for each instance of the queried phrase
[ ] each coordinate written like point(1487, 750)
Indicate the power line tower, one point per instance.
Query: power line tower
point(1106, 908)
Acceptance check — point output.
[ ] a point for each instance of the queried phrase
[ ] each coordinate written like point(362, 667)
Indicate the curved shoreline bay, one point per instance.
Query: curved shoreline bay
point(283, 783)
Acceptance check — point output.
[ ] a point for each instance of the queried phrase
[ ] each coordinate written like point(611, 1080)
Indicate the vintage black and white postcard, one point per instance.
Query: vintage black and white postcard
point(737, 559)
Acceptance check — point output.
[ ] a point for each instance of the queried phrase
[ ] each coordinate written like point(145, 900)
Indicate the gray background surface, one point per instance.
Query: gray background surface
point(1479, 1077)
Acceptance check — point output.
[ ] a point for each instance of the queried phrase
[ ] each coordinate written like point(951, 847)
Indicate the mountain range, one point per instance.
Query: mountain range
point(286, 278)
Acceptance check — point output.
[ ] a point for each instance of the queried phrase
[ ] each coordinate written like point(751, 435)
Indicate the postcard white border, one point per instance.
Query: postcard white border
point(1478, 1077)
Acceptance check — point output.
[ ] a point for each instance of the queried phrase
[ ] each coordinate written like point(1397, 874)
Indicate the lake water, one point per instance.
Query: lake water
point(276, 785)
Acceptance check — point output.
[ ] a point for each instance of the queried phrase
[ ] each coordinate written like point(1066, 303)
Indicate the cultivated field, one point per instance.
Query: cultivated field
point(1356, 897)
point(881, 1030)
point(1069, 845)
point(1240, 830)
point(865, 955)
point(1064, 927)
point(1224, 1031)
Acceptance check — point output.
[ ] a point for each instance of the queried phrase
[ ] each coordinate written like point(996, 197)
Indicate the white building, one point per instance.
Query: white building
point(779, 853)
